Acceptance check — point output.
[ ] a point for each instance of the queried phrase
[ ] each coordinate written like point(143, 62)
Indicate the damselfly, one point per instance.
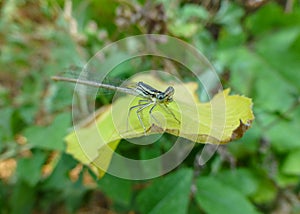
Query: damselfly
point(151, 97)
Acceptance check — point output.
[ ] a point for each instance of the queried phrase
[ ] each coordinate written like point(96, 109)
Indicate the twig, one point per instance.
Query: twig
point(289, 6)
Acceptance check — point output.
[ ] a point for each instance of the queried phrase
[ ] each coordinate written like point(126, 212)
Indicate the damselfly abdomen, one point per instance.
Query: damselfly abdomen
point(150, 97)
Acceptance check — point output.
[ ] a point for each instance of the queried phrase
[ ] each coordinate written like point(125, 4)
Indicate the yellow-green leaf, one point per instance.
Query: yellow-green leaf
point(223, 119)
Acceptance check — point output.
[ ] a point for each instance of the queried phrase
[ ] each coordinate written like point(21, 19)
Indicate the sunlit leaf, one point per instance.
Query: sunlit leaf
point(291, 163)
point(183, 29)
point(223, 119)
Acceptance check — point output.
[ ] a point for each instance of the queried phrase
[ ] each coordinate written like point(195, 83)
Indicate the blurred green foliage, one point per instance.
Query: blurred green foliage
point(255, 47)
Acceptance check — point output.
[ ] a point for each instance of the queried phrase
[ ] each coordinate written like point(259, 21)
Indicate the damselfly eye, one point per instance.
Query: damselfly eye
point(160, 96)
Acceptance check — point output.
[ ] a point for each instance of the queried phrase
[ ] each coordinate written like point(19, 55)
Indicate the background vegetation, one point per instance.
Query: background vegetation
point(255, 47)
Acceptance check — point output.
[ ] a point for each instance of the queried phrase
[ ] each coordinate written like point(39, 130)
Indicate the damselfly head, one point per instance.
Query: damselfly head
point(169, 92)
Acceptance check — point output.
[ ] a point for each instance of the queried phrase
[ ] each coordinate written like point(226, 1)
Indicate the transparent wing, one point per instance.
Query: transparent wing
point(74, 73)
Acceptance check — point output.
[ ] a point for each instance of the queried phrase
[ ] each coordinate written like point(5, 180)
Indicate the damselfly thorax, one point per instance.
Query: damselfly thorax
point(150, 97)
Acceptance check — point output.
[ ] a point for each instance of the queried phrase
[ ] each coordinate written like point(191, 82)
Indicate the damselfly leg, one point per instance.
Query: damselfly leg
point(143, 104)
point(138, 113)
point(171, 112)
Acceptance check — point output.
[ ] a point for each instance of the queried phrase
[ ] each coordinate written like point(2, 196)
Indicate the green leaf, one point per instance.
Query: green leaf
point(186, 21)
point(96, 142)
point(49, 137)
point(117, 189)
point(30, 169)
point(253, 75)
point(5, 128)
point(291, 164)
point(23, 198)
point(242, 64)
point(266, 191)
point(183, 29)
point(284, 135)
point(74, 195)
point(271, 16)
point(243, 180)
point(59, 179)
point(281, 52)
point(152, 152)
point(189, 11)
point(285, 180)
point(169, 194)
point(231, 37)
point(248, 145)
point(215, 197)
point(228, 14)
point(231, 34)
point(60, 97)
point(4, 96)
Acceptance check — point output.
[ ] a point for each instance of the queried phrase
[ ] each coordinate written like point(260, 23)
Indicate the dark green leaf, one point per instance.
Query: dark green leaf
point(248, 144)
point(119, 190)
point(243, 180)
point(30, 169)
point(5, 128)
point(23, 198)
point(266, 191)
point(270, 17)
point(215, 197)
point(59, 179)
point(167, 195)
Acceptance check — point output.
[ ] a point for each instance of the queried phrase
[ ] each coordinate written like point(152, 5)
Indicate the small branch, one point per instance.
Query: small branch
point(14, 152)
point(289, 6)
